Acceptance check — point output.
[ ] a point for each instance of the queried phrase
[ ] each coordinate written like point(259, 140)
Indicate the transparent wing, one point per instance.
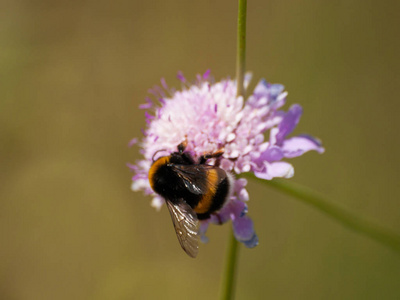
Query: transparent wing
point(198, 179)
point(186, 226)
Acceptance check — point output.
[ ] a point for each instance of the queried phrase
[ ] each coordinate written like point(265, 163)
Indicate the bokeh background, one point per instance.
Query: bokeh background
point(72, 74)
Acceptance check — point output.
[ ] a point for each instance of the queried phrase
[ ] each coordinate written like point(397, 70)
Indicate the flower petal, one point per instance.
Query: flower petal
point(243, 229)
point(157, 202)
point(133, 142)
point(289, 122)
point(298, 145)
point(202, 231)
point(265, 89)
point(272, 154)
point(139, 184)
point(276, 169)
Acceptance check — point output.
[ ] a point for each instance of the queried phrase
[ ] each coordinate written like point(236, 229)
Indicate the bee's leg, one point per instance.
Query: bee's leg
point(187, 157)
point(215, 154)
point(182, 146)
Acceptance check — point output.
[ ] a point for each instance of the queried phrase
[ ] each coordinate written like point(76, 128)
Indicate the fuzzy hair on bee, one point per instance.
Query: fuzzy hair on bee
point(192, 190)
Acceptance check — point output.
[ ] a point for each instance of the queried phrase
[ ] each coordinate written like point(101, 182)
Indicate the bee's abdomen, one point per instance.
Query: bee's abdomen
point(215, 198)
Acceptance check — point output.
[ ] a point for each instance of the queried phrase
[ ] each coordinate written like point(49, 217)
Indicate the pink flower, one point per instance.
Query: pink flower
point(211, 117)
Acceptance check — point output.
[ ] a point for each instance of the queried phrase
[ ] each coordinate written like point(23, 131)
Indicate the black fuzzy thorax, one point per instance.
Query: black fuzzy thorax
point(169, 185)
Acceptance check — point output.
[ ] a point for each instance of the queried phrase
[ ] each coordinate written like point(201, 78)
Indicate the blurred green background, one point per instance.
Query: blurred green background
point(72, 74)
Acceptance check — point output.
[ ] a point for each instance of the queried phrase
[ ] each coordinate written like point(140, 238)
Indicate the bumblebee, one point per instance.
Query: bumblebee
point(192, 191)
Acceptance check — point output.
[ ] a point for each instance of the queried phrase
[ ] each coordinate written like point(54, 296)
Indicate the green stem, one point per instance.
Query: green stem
point(337, 212)
point(229, 276)
point(241, 48)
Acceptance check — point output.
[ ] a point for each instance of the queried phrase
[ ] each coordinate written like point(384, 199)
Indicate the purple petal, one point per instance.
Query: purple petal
point(243, 229)
point(139, 184)
point(148, 117)
point(276, 169)
point(229, 211)
point(237, 208)
point(202, 231)
point(132, 167)
point(298, 145)
point(265, 89)
point(262, 88)
point(221, 217)
point(132, 142)
point(164, 83)
point(289, 122)
point(147, 105)
point(276, 90)
point(242, 195)
point(247, 79)
point(252, 242)
point(157, 91)
point(157, 202)
point(273, 153)
point(281, 169)
point(206, 74)
point(226, 164)
point(144, 132)
point(181, 77)
point(240, 183)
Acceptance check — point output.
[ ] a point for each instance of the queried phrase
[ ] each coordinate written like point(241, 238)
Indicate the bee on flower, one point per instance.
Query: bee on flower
point(198, 138)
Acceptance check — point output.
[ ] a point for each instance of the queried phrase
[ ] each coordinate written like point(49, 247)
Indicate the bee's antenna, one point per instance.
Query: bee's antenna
point(156, 153)
point(217, 154)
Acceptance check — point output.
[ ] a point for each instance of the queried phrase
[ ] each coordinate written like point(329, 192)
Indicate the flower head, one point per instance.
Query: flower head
point(210, 117)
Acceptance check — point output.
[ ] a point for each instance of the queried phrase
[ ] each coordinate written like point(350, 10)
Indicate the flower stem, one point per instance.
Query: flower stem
point(241, 48)
point(341, 214)
point(229, 276)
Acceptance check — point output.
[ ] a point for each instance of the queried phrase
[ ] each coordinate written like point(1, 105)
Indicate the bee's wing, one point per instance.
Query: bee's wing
point(198, 179)
point(186, 225)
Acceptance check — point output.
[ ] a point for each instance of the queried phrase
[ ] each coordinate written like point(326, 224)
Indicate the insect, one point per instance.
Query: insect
point(192, 191)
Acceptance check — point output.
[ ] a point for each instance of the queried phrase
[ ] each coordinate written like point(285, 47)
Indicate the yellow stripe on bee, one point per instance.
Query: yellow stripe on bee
point(212, 184)
point(154, 168)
